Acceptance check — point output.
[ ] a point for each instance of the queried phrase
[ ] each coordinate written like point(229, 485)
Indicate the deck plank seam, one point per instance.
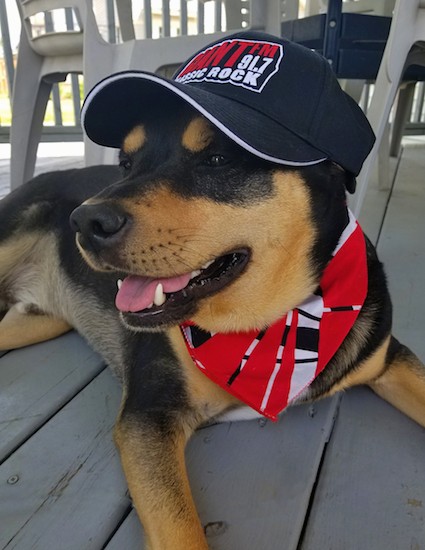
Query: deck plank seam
point(330, 428)
point(389, 197)
point(49, 417)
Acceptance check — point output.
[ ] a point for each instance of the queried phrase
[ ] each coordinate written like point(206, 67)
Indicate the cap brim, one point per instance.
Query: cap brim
point(115, 105)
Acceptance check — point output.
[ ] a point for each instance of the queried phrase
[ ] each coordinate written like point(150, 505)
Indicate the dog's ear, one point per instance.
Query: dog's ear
point(19, 329)
point(350, 178)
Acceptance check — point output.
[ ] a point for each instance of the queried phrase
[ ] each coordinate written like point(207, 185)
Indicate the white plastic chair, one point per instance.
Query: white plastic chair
point(49, 58)
point(405, 46)
point(42, 61)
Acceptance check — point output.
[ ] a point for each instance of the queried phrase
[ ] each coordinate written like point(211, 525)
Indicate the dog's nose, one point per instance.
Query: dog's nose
point(99, 224)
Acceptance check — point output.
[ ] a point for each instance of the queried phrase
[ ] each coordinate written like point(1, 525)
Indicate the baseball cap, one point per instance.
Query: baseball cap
point(275, 98)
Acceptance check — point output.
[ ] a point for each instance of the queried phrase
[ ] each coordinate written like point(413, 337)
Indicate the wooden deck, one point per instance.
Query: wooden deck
point(344, 474)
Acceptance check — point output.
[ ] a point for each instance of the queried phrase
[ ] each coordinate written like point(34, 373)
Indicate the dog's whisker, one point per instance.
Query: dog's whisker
point(188, 235)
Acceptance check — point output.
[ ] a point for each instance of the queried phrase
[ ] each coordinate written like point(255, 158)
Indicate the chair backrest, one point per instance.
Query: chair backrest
point(38, 20)
point(375, 7)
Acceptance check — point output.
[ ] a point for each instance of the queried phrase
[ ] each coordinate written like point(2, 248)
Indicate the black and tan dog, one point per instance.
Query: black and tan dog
point(195, 228)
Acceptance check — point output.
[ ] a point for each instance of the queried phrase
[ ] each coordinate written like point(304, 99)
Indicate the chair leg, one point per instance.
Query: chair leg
point(353, 87)
point(93, 154)
point(384, 160)
point(30, 95)
point(404, 107)
point(378, 114)
point(25, 134)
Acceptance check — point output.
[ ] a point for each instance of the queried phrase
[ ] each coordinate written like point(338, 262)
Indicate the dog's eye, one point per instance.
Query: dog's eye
point(216, 160)
point(125, 164)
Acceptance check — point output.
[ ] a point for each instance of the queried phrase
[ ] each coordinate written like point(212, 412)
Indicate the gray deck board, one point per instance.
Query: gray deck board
point(251, 484)
point(253, 479)
point(129, 536)
point(372, 486)
point(402, 249)
point(44, 164)
point(36, 381)
point(71, 492)
point(371, 491)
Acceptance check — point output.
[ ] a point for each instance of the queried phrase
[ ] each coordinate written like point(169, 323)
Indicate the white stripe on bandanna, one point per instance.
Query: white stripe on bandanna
point(312, 306)
point(269, 387)
point(248, 352)
point(188, 335)
point(348, 231)
point(277, 366)
point(307, 322)
point(303, 373)
point(305, 354)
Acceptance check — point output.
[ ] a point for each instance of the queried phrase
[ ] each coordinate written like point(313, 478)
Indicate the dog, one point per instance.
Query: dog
point(207, 241)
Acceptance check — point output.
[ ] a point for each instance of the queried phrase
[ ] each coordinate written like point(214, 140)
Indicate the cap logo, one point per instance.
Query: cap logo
point(246, 63)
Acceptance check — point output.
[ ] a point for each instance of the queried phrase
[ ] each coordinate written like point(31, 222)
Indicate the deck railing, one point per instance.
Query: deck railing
point(151, 19)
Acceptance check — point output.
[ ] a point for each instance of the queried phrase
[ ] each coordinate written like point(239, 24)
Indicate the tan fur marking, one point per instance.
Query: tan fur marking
point(14, 251)
point(23, 329)
point(403, 385)
point(279, 275)
point(134, 140)
point(208, 398)
point(198, 135)
point(367, 371)
point(154, 466)
point(96, 265)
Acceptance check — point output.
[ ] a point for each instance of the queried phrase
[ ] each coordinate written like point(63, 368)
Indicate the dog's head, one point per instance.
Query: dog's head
point(230, 203)
point(207, 231)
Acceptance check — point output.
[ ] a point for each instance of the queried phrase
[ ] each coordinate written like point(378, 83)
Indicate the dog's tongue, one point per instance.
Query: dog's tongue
point(137, 293)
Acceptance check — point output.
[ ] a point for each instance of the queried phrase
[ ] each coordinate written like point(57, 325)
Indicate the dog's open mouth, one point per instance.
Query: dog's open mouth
point(149, 302)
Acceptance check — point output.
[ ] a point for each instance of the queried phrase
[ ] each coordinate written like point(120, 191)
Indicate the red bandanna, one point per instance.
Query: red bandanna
point(268, 369)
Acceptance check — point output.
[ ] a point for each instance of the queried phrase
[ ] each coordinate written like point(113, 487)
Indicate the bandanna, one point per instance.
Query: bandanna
point(268, 369)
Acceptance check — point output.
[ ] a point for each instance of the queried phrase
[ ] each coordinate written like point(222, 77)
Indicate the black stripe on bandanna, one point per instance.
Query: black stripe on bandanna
point(244, 360)
point(307, 339)
point(285, 335)
point(301, 361)
point(199, 336)
point(342, 308)
point(308, 315)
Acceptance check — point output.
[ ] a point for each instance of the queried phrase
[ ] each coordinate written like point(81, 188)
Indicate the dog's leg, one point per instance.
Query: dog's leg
point(19, 329)
point(154, 465)
point(166, 398)
point(403, 382)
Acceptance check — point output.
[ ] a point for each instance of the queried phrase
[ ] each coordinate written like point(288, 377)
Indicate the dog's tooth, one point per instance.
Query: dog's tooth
point(207, 264)
point(119, 283)
point(150, 305)
point(195, 273)
point(159, 297)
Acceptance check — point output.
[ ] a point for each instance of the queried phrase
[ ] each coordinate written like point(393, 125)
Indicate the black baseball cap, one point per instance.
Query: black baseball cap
point(277, 99)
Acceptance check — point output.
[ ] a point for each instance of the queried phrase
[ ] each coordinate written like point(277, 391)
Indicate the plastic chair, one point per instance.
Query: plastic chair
point(42, 61)
point(353, 43)
point(47, 59)
point(405, 47)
